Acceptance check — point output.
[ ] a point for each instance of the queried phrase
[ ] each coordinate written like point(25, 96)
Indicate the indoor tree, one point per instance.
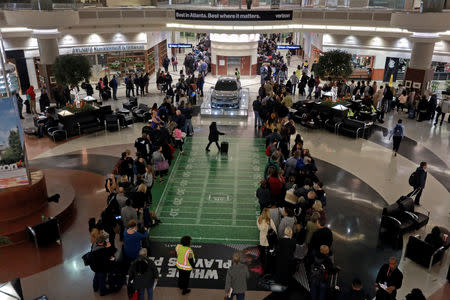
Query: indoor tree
point(336, 64)
point(70, 70)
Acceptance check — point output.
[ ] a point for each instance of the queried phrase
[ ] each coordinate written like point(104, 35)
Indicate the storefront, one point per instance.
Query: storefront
point(362, 67)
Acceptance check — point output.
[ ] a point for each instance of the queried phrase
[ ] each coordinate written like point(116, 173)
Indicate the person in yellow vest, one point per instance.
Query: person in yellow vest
point(350, 113)
point(238, 74)
point(185, 261)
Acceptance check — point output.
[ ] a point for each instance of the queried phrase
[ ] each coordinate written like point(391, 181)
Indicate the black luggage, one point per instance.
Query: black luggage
point(116, 280)
point(224, 147)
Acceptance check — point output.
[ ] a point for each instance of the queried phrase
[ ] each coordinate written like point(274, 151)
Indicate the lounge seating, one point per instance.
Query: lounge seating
point(57, 133)
point(88, 123)
point(141, 113)
point(400, 218)
point(132, 102)
point(332, 123)
point(423, 253)
point(111, 122)
point(124, 119)
point(351, 127)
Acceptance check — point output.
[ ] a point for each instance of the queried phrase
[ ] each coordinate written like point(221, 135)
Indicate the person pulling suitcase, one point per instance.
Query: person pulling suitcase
point(214, 136)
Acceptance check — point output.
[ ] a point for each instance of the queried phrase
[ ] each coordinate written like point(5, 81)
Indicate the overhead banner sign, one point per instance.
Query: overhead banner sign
point(234, 15)
point(180, 46)
point(13, 170)
point(97, 49)
point(288, 47)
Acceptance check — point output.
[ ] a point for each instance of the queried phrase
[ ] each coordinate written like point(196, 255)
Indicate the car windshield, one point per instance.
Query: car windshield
point(226, 85)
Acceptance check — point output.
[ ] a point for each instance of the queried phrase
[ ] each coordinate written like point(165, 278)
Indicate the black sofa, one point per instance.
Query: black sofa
point(400, 218)
point(423, 253)
point(351, 127)
point(88, 123)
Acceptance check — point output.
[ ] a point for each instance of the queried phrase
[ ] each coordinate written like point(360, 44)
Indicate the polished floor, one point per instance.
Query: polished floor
point(360, 176)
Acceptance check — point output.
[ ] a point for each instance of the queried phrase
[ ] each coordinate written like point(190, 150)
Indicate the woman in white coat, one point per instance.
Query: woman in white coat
point(264, 223)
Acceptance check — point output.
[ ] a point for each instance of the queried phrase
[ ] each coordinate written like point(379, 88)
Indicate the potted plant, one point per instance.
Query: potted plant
point(336, 64)
point(70, 70)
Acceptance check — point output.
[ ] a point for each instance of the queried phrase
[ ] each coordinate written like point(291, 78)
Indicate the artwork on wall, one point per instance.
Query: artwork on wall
point(417, 85)
point(408, 83)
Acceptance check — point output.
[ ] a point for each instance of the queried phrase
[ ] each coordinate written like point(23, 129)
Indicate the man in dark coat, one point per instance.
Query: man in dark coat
point(421, 180)
point(213, 136)
point(388, 281)
point(101, 263)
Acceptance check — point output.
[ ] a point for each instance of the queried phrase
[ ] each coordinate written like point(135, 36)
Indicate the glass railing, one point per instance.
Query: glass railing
point(74, 4)
point(39, 4)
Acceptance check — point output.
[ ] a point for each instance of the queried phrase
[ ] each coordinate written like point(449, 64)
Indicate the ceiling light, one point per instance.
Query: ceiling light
point(362, 28)
point(314, 26)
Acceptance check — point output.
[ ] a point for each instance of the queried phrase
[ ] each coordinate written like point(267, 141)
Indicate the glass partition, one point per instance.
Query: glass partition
point(289, 4)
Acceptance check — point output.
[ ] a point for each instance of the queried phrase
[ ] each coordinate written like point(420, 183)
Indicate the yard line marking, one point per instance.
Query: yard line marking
point(235, 187)
point(205, 238)
point(167, 184)
point(202, 196)
point(215, 219)
point(214, 225)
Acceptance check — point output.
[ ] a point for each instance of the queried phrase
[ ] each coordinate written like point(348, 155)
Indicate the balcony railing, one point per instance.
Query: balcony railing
point(75, 4)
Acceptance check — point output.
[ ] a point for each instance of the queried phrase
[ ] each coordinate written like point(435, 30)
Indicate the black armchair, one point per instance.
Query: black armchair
point(111, 122)
point(423, 253)
point(57, 133)
point(124, 119)
point(132, 102)
point(400, 218)
point(141, 113)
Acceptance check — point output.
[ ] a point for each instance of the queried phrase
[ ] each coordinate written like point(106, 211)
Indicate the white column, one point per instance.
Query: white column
point(422, 54)
point(48, 50)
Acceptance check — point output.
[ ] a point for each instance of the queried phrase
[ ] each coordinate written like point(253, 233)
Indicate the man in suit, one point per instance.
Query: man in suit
point(388, 281)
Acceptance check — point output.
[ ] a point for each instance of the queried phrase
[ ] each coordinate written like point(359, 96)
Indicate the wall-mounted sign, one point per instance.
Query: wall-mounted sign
point(13, 170)
point(391, 68)
point(180, 45)
point(234, 15)
point(97, 49)
point(288, 47)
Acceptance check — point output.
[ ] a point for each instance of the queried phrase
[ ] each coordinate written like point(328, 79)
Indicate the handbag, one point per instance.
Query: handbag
point(162, 165)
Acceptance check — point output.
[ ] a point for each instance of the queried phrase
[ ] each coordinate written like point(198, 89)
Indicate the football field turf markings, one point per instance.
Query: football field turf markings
point(210, 196)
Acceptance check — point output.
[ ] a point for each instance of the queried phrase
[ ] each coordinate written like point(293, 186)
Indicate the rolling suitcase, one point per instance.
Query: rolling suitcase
point(224, 147)
point(411, 113)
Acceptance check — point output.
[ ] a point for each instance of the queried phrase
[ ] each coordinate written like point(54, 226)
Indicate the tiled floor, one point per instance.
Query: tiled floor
point(362, 174)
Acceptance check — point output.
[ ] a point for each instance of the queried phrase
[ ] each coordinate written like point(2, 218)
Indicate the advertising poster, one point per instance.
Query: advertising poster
point(13, 171)
point(391, 68)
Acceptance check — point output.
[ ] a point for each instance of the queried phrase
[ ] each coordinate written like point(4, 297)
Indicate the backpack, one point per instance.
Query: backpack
point(413, 179)
point(398, 130)
point(116, 170)
point(267, 151)
point(318, 273)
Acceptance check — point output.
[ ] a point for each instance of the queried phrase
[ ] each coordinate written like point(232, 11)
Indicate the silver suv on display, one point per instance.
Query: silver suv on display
point(226, 93)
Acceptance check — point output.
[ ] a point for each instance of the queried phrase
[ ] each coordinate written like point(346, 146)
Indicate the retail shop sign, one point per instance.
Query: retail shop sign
point(288, 47)
point(98, 49)
point(232, 15)
point(180, 45)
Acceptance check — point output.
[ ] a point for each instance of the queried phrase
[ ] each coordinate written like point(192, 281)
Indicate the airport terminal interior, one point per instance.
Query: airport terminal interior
point(225, 149)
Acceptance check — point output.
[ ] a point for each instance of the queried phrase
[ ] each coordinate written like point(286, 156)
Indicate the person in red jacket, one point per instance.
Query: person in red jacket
point(31, 96)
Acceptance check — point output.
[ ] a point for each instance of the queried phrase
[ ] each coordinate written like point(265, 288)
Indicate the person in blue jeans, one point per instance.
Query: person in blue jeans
point(101, 262)
point(236, 279)
point(321, 270)
point(132, 242)
point(143, 274)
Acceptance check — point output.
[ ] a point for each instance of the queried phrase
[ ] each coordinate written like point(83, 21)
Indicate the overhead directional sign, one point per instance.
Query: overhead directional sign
point(288, 47)
point(180, 46)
